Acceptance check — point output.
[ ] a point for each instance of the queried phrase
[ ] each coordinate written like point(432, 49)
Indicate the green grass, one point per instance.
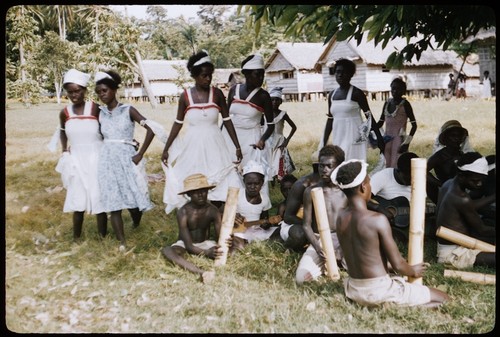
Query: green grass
point(56, 286)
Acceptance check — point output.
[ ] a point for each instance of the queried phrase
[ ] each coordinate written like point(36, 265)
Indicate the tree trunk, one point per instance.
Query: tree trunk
point(145, 81)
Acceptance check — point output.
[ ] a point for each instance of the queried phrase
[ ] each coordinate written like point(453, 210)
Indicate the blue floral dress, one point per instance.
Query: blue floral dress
point(122, 184)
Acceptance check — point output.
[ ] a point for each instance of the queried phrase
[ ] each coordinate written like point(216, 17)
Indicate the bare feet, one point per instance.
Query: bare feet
point(208, 276)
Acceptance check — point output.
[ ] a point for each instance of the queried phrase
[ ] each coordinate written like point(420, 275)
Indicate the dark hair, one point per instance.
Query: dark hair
point(404, 161)
point(346, 175)
point(332, 150)
point(399, 80)
point(347, 64)
point(195, 70)
point(113, 82)
point(288, 178)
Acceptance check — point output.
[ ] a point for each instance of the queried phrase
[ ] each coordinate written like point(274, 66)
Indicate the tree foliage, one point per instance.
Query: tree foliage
point(428, 26)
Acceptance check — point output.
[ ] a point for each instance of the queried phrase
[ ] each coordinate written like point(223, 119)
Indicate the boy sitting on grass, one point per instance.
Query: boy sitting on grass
point(367, 244)
point(195, 219)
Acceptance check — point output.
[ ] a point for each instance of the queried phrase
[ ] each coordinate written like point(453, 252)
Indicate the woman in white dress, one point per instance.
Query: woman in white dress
point(201, 149)
point(486, 90)
point(345, 122)
point(247, 104)
point(81, 141)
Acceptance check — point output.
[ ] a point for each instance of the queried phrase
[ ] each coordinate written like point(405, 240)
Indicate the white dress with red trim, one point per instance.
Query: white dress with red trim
point(202, 149)
point(78, 167)
point(246, 118)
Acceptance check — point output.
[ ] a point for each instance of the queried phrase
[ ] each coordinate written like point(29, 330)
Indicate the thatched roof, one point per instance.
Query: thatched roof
point(483, 35)
point(299, 55)
point(376, 55)
point(223, 75)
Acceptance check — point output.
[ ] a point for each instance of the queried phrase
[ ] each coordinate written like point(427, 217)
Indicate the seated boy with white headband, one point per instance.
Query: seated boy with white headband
point(456, 210)
point(367, 244)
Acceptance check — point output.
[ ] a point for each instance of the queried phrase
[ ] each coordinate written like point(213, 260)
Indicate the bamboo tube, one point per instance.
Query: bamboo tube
point(464, 240)
point(417, 214)
point(227, 224)
point(324, 232)
point(471, 277)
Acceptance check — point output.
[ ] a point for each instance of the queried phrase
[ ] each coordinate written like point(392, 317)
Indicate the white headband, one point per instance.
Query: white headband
point(359, 178)
point(257, 62)
point(77, 77)
point(101, 75)
point(204, 59)
point(480, 166)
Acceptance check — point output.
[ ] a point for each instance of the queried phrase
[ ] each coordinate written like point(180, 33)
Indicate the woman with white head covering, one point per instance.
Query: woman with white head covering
point(248, 103)
point(122, 176)
point(81, 141)
point(202, 148)
point(280, 161)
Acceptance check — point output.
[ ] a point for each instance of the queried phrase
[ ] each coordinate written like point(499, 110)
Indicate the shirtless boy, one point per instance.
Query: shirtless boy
point(367, 244)
point(312, 263)
point(195, 219)
point(457, 211)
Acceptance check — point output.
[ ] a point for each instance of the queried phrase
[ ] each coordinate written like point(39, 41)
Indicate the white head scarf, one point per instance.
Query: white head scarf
point(257, 62)
point(253, 166)
point(276, 92)
point(77, 77)
point(480, 166)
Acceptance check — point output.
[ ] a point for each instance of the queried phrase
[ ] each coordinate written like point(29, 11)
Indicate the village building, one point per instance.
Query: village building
point(426, 77)
point(292, 67)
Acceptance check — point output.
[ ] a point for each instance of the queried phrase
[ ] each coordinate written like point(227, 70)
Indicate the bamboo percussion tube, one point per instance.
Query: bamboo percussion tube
point(464, 240)
point(227, 223)
point(417, 214)
point(324, 232)
point(471, 277)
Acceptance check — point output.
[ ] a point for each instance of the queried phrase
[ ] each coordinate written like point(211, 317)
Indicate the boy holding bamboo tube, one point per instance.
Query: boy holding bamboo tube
point(291, 229)
point(457, 211)
point(367, 243)
point(312, 264)
point(195, 219)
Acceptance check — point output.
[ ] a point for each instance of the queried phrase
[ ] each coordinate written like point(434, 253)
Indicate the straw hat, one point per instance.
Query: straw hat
point(449, 125)
point(195, 182)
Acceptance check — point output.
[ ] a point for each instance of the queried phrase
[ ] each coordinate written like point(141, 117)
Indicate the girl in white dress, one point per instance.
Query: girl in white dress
point(248, 103)
point(344, 115)
point(280, 161)
point(81, 141)
point(201, 149)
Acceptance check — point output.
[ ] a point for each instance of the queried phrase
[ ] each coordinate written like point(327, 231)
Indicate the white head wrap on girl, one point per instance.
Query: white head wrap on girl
point(480, 166)
point(77, 77)
point(357, 181)
point(253, 167)
point(257, 62)
point(276, 92)
point(100, 75)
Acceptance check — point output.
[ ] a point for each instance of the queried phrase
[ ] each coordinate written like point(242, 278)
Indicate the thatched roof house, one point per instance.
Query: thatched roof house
point(292, 66)
point(425, 76)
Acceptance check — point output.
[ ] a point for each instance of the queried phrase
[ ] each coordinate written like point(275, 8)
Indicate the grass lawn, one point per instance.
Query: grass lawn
point(53, 285)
